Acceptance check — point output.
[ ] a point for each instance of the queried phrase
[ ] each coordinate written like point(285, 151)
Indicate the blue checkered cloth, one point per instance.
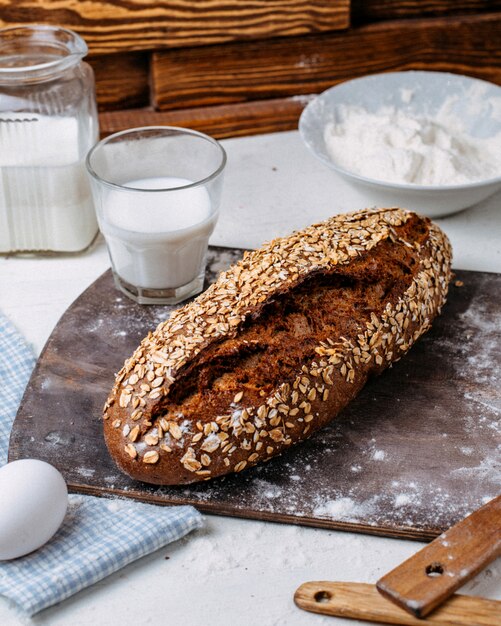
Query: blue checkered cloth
point(97, 537)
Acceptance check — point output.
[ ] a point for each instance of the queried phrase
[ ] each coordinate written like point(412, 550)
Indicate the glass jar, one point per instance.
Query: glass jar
point(48, 123)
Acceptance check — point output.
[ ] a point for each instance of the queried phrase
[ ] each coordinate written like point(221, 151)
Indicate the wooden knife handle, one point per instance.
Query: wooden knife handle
point(362, 601)
point(433, 574)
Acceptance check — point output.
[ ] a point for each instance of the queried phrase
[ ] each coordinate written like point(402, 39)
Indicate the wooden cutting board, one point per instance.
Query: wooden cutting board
point(417, 450)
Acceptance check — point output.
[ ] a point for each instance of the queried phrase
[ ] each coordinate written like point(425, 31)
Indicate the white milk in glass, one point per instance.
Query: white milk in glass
point(45, 198)
point(158, 240)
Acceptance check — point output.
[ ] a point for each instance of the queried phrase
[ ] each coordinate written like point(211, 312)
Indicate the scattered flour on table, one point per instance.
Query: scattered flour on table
point(86, 472)
point(236, 548)
point(403, 499)
point(487, 469)
point(46, 384)
point(267, 489)
point(394, 145)
point(222, 262)
point(343, 509)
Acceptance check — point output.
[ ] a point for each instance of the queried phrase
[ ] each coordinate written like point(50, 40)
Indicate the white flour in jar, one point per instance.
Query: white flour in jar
point(397, 146)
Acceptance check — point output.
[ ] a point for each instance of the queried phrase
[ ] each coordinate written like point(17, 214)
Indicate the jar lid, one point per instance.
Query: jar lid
point(38, 52)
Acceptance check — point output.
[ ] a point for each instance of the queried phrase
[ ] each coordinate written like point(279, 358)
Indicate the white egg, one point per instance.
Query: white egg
point(33, 503)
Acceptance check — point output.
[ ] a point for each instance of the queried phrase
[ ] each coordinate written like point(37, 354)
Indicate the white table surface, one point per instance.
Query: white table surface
point(237, 571)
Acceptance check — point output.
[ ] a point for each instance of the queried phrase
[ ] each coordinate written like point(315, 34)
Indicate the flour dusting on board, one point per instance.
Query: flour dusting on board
point(415, 452)
point(439, 479)
point(344, 509)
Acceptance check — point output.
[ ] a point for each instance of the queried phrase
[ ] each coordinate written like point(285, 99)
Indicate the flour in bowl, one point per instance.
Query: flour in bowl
point(397, 146)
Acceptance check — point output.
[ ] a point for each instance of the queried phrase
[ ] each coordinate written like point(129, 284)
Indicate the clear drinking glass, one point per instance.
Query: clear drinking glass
point(48, 123)
point(157, 192)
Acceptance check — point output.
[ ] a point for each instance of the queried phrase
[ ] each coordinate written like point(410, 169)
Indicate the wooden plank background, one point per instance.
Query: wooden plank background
point(118, 25)
point(247, 118)
point(377, 10)
point(234, 67)
point(122, 80)
point(284, 67)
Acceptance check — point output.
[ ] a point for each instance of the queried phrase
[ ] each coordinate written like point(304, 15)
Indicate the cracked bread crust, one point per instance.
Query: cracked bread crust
point(275, 348)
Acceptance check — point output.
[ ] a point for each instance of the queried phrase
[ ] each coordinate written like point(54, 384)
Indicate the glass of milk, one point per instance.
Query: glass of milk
point(157, 193)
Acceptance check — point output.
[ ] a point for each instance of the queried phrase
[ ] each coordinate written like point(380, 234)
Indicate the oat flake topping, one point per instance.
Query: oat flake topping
point(244, 289)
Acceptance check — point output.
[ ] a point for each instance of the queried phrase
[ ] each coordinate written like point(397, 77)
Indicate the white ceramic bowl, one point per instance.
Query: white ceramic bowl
point(429, 91)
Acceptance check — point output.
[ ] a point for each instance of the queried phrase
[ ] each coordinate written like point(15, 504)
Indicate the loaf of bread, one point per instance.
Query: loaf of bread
point(275, 348)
